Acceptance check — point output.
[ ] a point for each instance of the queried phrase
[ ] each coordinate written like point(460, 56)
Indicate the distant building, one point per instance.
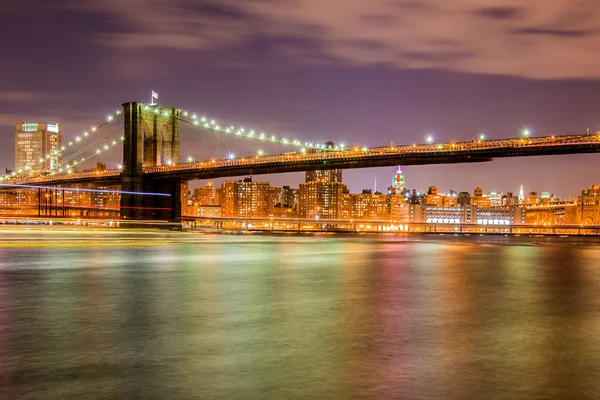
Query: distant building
point(532, 198)
point(509, 200)
point(37, 146)
point(479, 200)
point(370, 206)
point(208, 211)
point(245, 199)
point(463, 199)
point(398, 183)
point(399, 209)
point(208, 195)
point(521, 196)
point(322, 195)
point(495, 199)
point(587, 210)
point(467, 214)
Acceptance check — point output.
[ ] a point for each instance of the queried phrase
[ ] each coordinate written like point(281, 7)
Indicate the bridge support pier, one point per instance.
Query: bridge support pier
point(151, 136)
point(161, 199)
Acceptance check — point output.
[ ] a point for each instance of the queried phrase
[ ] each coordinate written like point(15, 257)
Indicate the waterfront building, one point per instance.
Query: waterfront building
point(479, 199)
point(370, 206)
point(322, 195)
point(466, 214)
point(37, 146)
point(587, 209)
point(399, 209)
point(208, 195)
point(245, 199)
point(210, 211)
point(500, 216)
point(439, 215)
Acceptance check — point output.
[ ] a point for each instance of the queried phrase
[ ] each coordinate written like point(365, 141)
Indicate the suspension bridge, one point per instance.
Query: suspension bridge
point(150, 150)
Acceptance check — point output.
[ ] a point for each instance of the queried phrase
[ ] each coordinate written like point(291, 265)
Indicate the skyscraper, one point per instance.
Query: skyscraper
point(521, 195)
point(398, 183)
point(37, 146)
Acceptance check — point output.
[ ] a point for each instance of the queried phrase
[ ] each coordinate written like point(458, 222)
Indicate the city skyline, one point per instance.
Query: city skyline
point(340, 87)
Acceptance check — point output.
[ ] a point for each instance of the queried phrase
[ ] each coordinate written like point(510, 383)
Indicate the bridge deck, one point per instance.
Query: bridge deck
point(460, 152)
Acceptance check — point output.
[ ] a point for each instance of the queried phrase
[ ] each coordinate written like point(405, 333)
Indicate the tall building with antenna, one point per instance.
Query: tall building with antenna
point(521, 195)
point(398, 183)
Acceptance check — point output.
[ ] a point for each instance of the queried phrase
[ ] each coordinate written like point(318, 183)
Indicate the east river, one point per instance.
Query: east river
point(133, 315)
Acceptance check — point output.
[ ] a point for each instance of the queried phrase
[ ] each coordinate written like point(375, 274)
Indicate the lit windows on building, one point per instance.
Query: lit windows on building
point(35, 142)
point(370, 206)
point(245, 199)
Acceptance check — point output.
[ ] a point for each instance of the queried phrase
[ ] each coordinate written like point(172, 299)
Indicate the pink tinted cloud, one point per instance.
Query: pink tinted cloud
point(533, 39)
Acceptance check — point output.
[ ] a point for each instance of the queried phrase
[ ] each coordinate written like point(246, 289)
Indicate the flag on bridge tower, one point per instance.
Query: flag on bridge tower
point(154, 96)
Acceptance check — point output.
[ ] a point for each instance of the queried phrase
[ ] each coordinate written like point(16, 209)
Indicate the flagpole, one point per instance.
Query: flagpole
point(151, 98)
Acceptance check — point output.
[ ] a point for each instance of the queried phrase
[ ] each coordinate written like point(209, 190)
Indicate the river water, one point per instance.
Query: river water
point(126, 315)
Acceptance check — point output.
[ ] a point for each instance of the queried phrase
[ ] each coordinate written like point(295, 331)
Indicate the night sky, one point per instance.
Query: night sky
point(358, 72)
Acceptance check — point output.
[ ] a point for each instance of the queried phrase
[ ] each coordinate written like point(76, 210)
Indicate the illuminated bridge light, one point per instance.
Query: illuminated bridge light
point(85, 134)
point(185, 113)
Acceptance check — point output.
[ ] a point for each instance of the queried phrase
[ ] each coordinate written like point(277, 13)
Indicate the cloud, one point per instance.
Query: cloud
point(534, 39)
point(21, 96)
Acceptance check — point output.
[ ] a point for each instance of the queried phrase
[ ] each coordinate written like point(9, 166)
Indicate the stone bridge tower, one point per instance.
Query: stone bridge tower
point(151, 139)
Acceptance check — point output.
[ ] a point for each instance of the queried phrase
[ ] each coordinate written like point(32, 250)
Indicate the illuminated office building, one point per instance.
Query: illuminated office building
point(245, 199)
point(208, 195)
point(322, 195)
point(35, 142)
point(370, 206)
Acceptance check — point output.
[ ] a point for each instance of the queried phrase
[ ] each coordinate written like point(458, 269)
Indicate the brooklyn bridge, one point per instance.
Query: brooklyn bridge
point(151, 150)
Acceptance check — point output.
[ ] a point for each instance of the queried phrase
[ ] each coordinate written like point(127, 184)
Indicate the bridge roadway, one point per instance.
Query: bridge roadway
point(456, 152)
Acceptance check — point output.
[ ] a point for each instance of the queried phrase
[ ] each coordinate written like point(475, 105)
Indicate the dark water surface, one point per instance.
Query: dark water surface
point(87, 315)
